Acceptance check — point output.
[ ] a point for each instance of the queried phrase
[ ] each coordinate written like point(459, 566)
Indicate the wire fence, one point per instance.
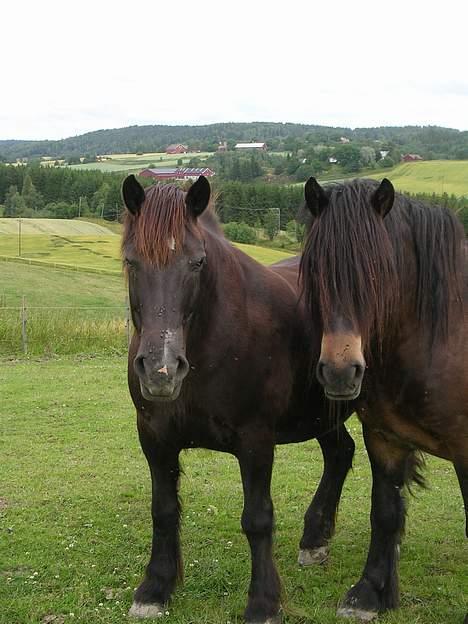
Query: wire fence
point(47, 330)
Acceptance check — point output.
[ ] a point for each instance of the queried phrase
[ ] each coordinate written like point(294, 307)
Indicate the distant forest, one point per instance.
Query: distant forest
point(430, 142)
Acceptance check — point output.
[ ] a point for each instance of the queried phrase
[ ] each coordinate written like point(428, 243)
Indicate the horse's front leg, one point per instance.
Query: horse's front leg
point(256, 462)
point(165, 565)
point(378, 590)
point(319, 521)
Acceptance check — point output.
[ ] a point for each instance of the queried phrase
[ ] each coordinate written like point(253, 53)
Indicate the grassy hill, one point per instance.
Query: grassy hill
point(64, 241)
point(70, 311)
point(53, 227)
point(433, 176)
point(424, 140)
point(43, 286)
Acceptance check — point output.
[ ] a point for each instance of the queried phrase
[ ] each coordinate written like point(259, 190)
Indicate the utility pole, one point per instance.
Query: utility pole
point(19, 237)
point(79, 207)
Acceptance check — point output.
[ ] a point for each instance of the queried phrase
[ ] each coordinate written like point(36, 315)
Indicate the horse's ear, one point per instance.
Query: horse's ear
point(133, 194)
point(315, 197)
point(383, 198)
point(198, 196)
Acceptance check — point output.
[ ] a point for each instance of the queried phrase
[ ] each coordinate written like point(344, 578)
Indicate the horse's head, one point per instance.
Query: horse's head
point(164, 255)
point(349, 276)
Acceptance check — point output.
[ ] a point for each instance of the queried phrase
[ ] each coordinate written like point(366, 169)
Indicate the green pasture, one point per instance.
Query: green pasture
point(85, 251)
point(431, 176)
point(50, 227)
point(82, 244)
point(132, 162)
point(69, 311)
point(75, 521)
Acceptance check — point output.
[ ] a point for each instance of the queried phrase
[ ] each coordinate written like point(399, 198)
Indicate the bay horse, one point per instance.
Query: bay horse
point(384, 276)
point(218, 360)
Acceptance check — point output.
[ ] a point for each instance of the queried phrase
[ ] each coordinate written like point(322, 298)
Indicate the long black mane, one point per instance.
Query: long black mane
point(360, 265)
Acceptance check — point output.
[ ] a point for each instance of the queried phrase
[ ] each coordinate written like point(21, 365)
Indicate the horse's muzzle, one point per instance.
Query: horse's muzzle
point(161, 381)
point(340, 383)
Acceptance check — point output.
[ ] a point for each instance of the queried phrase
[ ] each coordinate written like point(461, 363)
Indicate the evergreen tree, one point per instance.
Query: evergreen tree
point(271, 224)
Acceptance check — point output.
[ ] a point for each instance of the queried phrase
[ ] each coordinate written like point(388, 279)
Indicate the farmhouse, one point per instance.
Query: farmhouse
point(177, 173)
point(176, 148)
point(411, 157)
point(251, 146)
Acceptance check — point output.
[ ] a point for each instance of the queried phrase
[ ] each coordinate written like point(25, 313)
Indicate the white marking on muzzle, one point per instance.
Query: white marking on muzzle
point(168, 338)
point(171, 243)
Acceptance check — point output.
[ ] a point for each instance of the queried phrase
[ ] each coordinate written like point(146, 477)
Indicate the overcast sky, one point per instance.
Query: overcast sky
point(69, 68)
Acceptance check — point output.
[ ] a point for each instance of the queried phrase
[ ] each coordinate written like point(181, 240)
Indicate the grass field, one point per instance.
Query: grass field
point(432, 176)
point(53, 227)
point(67, 312)
point(70, 311)
point(75, 515)
point(132, 162)
point(83, 244)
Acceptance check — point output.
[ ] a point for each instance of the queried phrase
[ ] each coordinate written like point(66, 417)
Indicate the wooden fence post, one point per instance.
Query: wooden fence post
point(24, 320)
point(127, 319)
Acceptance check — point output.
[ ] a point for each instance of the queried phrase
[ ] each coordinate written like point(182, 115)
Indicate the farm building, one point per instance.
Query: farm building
point(251, 146)
point(177, 173)
point(176, 148)
point(411, 157)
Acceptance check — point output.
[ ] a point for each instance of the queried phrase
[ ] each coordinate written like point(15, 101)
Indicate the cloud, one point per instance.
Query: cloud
point(102, 65)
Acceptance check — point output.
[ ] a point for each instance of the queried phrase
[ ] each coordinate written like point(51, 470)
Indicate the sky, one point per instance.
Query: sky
point(70, 68)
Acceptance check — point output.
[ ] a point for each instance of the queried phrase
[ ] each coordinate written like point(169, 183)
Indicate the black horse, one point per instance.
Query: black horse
point(219, 360)
point(383, 276)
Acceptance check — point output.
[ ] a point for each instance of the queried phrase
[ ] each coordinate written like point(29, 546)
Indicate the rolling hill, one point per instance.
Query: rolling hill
point(52, 227)
point(433, 176)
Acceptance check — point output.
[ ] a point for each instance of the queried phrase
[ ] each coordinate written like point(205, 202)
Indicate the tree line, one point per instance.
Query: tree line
point(431, 142)
point(35, 191)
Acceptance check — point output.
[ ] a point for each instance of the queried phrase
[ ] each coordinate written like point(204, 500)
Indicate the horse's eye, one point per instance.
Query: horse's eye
point(197, 264)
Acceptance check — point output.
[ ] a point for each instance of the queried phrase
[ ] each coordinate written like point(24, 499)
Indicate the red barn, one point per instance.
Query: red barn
point(411, 157)
point(176, 148)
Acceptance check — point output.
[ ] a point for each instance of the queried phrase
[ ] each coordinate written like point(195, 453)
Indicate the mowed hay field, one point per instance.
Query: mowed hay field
point(69, 311)
point(83, 244)
point(75, 522)
point(432, 176)
point(135, 162)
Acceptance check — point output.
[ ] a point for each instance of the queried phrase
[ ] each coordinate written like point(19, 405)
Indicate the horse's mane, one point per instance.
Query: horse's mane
point(353, 264)
point(161, 223)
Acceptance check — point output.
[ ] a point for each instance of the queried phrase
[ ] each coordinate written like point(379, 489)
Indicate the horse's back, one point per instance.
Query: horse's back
point(288, 269)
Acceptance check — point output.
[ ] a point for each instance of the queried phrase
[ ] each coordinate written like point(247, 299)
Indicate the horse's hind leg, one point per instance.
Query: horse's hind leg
point(256, 462)
point(462, 473)
point(377, 590)
point(164, 567)
point(319, 521)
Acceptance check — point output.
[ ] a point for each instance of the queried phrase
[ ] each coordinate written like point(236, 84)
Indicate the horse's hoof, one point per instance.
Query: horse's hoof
point(357, 614)
point(313, 556)
point(142, 610)
point(275, 619)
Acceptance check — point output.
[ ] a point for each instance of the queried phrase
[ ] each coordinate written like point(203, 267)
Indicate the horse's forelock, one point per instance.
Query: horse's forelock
point(158, 229)
point(348, 265)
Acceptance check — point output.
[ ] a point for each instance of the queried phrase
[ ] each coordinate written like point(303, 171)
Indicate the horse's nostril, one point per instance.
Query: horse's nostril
point(320, 372)
point(358, 372)
point(139, 366)
point(182, 366)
